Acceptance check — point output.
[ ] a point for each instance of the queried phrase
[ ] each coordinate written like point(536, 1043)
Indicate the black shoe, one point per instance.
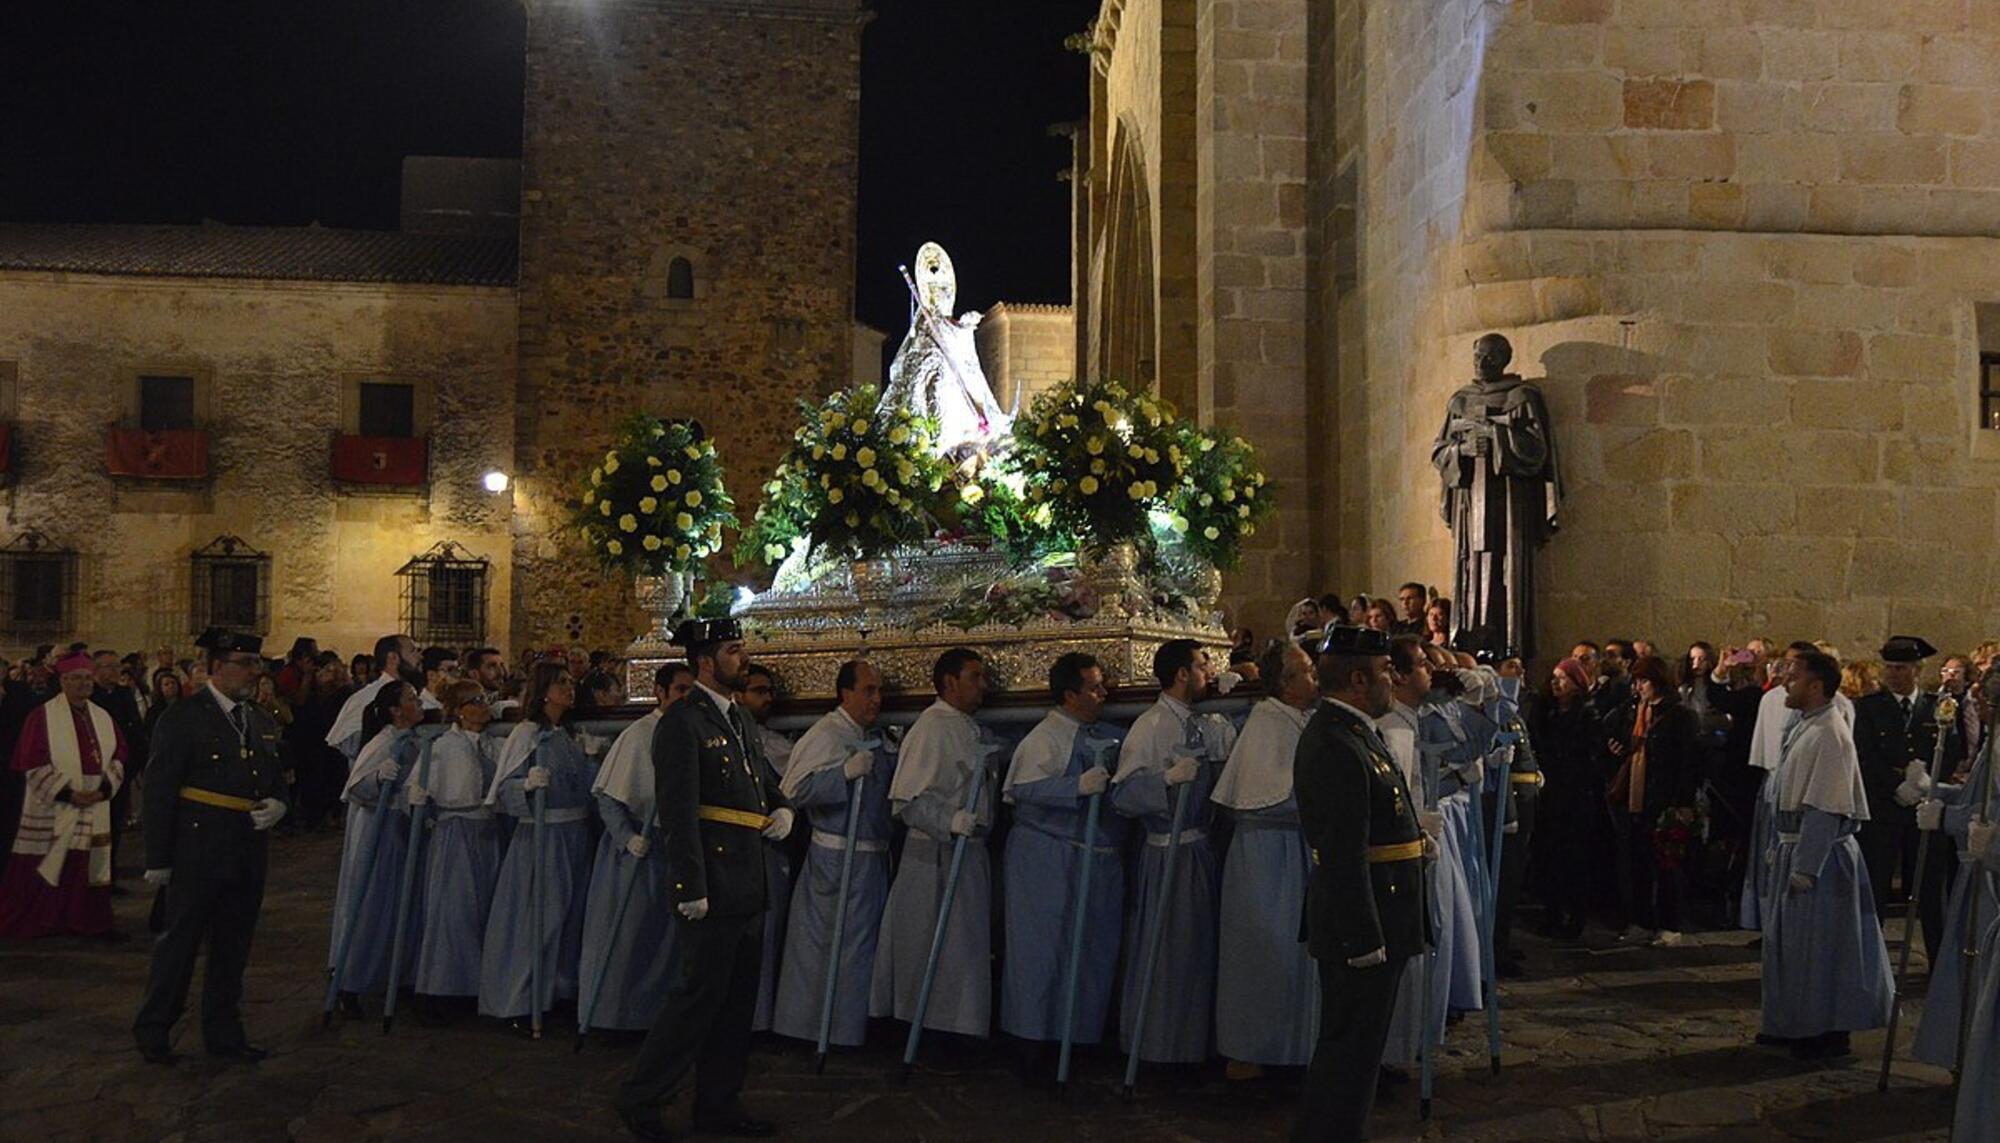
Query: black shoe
point(1826, 1046)
point(645, 1125)
point(241, 1053)
point(1765, 1040)
point(738, 1123)
point(159, 1055)
point(350, 1005)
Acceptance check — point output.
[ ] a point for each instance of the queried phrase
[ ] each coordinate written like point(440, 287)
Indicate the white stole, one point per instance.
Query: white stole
point(66, 757)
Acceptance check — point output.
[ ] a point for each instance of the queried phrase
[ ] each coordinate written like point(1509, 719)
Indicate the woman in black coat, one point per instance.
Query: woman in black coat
point(1571, 841)
point(1653, 742)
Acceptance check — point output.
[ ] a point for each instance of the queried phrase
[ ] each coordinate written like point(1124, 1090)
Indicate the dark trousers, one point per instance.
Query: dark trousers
point(222, 913)
point(704, 1024)
point(1934, 892)
point(1889, 849)
point(1513, 861)
point(1649, 896)
point(1355, 1005)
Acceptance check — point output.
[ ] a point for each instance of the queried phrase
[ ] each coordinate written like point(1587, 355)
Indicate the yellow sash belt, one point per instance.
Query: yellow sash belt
point(728, 816)
point(221, 801)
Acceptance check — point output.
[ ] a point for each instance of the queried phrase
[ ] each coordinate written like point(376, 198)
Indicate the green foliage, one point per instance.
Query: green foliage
point(1098, 459)
point(657, 502)
point(856, 480)
point(1221, 496)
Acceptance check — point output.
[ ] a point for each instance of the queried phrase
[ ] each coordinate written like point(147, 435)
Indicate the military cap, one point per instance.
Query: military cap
point(1907, 649)
point(1344, 640)
point(693, 633)
point(223, 641)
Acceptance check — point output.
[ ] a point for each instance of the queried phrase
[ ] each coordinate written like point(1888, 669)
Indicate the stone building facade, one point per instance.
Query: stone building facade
point(276, 361)
point(684, 245)
point(1025, 349)
point(724, 136)
point(1192, 260)
point(1746, 246)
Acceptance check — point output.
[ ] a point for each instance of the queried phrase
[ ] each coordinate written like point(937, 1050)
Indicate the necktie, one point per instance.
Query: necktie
point(242, 729)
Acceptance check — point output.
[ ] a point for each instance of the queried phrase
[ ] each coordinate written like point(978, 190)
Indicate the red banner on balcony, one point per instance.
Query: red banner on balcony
point(170, 454)
point(381, 460)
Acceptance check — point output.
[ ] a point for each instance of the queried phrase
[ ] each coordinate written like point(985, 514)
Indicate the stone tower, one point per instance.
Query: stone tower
point(687, 248)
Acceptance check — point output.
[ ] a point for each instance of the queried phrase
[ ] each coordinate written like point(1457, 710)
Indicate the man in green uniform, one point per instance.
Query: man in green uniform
point(213, 791)
point(718, 800)
point(1364, 904)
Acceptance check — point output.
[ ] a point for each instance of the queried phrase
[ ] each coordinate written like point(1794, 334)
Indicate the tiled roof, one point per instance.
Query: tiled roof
point(300, 253)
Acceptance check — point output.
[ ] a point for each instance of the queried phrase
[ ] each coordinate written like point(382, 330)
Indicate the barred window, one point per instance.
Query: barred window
point(230, 586)
point(37, 588)
point(1989, 390)
point(388, 409)
point(444, 596)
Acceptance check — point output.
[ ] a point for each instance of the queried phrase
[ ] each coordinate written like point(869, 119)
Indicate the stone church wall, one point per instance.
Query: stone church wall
point(1026, 349)
point(1741, 247)
point(725, 134)
point(275, 357)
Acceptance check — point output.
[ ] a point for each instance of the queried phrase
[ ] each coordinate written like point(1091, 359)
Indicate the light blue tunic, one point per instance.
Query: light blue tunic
point(1826, 968)
point(1454, 739)
point(1178, 1011)
point(640, 952)
point(1040, 878)
point(366, 968)
point(1978, 1107)
point(461, 863)
point(1267, 1003)
point(1455, 982)
point(1756, 903)
point(822, 801)
point(507, 958)
point(1937, 1033)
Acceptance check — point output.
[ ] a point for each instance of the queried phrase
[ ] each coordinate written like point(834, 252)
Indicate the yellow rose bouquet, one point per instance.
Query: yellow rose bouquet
point(656, 504)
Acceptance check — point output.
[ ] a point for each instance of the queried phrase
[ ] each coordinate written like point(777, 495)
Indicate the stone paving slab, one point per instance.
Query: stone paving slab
point(1599, 1043)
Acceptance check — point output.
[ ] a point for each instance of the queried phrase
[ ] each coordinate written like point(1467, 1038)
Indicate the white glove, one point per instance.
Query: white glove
point(266, 813)
point(1182, 771)
point(1093, 781)
point(159, 876)
point(1909, 794)
point(1227, 681)
point(1979, 839)
point(1431, 849)
point(1801, 883)
point(694, 910)
point(537, 779)
point(388, 770)
point(962, 824)
point(1930, 814)
point(1432, 822)
point(417, 795)
point(858, 763)
point(637, 845)
point(780, 824)
point(1919, 774)
point(1369, 960)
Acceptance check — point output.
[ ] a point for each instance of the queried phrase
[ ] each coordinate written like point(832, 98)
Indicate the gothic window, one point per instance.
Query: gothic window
point(680, 278)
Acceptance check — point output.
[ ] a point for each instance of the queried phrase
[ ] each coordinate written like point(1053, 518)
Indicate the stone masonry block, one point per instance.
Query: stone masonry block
point(1815, 353)
point(1573, 11)
point(1669, 104)
point(1621, 399)
point(1904, 568)
point(1845, 107)
point(1712, 400)
point(1879, 55)
point(1903, 357)
point(1649, 457)
point(1648, 51)
point(1731, 509)
point(1891, 159)
point(1870, 405)
point(1706, 156)
point(1788, 565)
point(1925, 109)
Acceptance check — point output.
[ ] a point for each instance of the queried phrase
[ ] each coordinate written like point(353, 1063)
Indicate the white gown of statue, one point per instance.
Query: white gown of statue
point(936, 370)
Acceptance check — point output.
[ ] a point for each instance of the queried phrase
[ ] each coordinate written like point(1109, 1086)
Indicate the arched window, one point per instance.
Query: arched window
point(680, 278)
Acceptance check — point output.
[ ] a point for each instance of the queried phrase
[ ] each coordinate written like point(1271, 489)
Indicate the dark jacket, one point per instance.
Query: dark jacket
point(1884, 743)
point(699, 760)
point(1673, 755)
point(195, 746)
point(1352, 796)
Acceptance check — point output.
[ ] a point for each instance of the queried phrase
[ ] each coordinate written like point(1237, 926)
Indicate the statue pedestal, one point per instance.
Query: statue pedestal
point(804, 634)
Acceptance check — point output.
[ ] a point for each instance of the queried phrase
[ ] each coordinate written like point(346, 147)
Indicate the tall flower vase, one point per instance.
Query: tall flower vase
point(1114, 574)
point(874, 582)
point(1208, 592)
point(661, 597)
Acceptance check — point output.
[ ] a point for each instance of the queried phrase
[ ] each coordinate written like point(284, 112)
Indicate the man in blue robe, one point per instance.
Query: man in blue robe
point(840, 767)
point(1057, 777)
point(1826, 969)
point(1171, 753)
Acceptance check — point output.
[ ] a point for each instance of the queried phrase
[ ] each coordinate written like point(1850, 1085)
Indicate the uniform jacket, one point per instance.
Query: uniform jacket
point(1884, 742)
point(1352, 796)
point(194, 745)
point(699, 760)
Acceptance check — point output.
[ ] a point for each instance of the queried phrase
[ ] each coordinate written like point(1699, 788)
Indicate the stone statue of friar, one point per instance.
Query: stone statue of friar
point(1496, 455)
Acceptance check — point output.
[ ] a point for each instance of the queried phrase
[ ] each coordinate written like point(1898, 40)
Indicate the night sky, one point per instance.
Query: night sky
point(286, 113)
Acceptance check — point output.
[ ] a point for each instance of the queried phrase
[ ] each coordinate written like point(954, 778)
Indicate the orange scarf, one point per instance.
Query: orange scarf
point(1635, 787)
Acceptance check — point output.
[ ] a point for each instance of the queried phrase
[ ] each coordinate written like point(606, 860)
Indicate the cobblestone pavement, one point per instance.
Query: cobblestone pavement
point(1607, 1044)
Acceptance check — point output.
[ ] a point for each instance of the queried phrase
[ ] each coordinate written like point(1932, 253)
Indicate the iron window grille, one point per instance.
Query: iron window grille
point(444, 596)
point(230, 586)
point(37, 587)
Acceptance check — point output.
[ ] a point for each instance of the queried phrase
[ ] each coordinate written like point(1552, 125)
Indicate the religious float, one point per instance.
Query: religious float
point(919, 516)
